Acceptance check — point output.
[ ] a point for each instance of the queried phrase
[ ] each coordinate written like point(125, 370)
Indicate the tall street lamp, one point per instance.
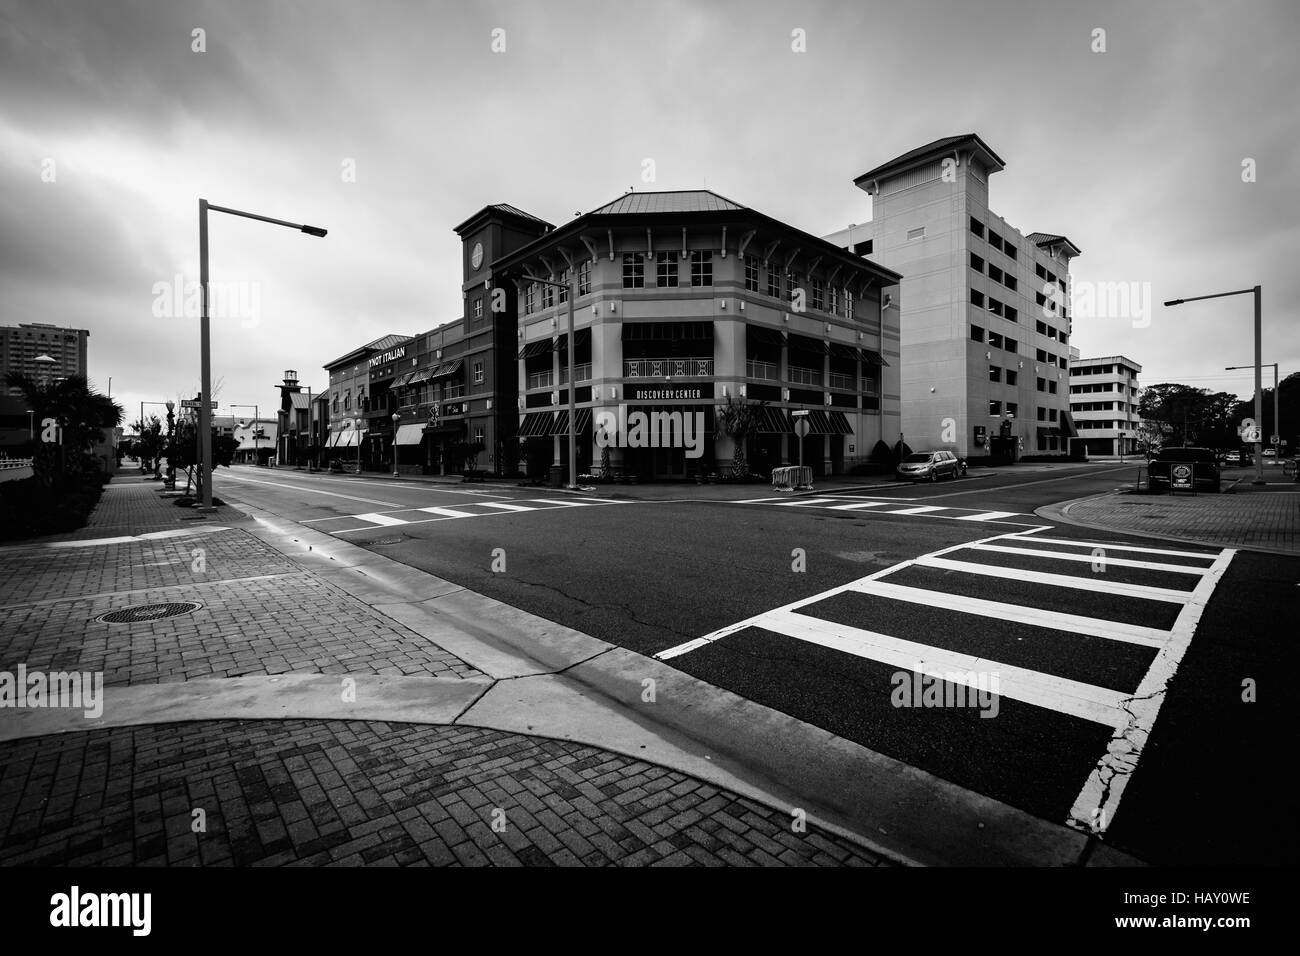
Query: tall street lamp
point(205, 349)
point(396, 419)
point(1259, 370)
point(1277, 425)
point(571, 290)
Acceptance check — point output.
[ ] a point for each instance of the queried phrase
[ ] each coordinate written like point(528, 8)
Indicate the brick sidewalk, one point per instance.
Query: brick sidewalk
point(298, 790)
point(352, 793)
point(1261, 519)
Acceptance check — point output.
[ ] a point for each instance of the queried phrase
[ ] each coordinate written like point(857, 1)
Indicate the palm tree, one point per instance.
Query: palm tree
point(738, 420)
point(81, 414)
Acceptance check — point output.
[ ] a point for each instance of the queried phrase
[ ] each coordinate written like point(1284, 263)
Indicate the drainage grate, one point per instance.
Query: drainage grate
point(148, 612)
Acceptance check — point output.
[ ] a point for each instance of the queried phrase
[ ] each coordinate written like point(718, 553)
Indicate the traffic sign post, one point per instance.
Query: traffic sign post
point(801, 430)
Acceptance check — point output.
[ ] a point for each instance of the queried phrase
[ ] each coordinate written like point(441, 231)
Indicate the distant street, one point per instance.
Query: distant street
point(1078, 626)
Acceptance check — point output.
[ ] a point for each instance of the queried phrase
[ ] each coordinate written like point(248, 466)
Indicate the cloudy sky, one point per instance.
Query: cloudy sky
point(112, 126)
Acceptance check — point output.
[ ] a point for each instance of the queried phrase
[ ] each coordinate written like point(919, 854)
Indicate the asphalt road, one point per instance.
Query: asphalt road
point(659, 576)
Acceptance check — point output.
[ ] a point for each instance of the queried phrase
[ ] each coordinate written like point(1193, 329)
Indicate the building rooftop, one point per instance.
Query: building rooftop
point(686, 200)
point(1108, 359)
point(381, 344)
point(923, 154)
point(1041, 239)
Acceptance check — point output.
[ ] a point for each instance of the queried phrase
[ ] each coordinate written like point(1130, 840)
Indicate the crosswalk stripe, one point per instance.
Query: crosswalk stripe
point(505, 506)
point(1088, 559)
point(1098, 704)
point(447, 512)
point(799, 502)
point(1019, 613)
point(916, 510)
point(1059, 580)
point(989, 516)
point(570, 503)
point(859, 505)
point(1128, 547)
point(376, 518)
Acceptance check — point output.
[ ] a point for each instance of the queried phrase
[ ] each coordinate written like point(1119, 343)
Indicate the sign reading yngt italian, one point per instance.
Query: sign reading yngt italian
point(388, 356)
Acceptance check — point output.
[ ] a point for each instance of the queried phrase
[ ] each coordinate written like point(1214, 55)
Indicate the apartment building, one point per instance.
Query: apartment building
point(985, 323)
point(684, 301)
point(61, 352)
point(1104, 394)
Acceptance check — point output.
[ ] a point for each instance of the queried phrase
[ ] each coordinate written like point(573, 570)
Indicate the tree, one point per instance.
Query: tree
point(1288, 410)
point(81, 414)
point(149, 443)
point(183, 451)
point(1190, 416)
point(738, 420)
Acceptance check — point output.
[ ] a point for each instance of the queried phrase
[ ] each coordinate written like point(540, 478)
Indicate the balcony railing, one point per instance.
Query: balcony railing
point(659, 367)
point(803, 376)
point(870, 387)
point(581, 371)
point(453, 392)
point(842, 381)
point(762, 370)
point(540, 379)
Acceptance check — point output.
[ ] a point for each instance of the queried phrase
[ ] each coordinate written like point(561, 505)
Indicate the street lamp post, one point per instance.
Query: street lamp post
point(396, 419)
point(1259, 370)
point(205, 349)
point(571, 290)
point(1277, 425)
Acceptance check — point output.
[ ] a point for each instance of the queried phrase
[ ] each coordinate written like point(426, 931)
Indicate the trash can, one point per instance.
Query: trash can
point(557, 476)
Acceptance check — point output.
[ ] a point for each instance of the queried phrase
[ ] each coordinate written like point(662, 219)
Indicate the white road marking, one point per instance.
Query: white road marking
point(1088, 559)
point(379, 519)
point(448, 512)
point(1105, 785)
point(505, 506)
point(1208, 556)
point(1098, 704)
point(125, 539)
point(1059, 580)
point(1019, 613)
point(917, 510)
point(311, 491)
point(859, 505)
point(990, 515)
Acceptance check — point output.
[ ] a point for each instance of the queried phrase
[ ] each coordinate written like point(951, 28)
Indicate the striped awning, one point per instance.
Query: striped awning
point(402, 380)
point(534, 349)
point(772, 421)
point(409, 434)
point(840, 424)
point(582, 338)
point(536, 424)
point(819, 423)
point(561, 424)
point(446, 368)
point(849, 352)
point(874, 357)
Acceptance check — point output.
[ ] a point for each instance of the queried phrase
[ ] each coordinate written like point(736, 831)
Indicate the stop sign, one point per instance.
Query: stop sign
point(801, 427)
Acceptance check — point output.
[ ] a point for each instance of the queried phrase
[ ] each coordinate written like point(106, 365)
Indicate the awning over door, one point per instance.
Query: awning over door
point(536, 425)
point(874, 357)
point(409, 434)
point(561, 425)
point(840, 424)
point(771, 421)
point(347, 439)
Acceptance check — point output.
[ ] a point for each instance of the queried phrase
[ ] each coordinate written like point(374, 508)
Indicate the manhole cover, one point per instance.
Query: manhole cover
point(148, 612)
point(397, 540)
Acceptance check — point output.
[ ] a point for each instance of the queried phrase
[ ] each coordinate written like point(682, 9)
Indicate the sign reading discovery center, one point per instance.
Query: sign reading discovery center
point(660, 393)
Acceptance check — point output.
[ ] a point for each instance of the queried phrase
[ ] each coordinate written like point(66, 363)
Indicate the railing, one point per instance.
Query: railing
point(582, 372)
point(540, 379)
point(803, 376)
point(842, 381)
point(15, 463)
point(762, 370)
point(452, 392)
point(869, 386)
point(659, 367)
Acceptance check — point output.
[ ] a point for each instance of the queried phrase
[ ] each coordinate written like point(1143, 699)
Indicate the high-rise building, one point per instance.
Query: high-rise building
point(985, 323)
point(1104, 395)
point(23, 344)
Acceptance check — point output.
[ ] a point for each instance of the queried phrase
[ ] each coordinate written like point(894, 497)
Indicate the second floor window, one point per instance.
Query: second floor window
point(701, 267)
point(816, 293)
point(773, 282)
point(478, 373)
point(548, 296)
point(584, 277)
point(530, 299)
point(633, 270)
point(564, 292)
point(666, 270)
point(751, 273)
point(478, 307)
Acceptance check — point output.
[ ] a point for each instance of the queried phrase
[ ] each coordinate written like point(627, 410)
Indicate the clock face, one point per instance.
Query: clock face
point(476, 256)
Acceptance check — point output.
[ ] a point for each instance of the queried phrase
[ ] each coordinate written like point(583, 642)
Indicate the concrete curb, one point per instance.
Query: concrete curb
point(1060, 512)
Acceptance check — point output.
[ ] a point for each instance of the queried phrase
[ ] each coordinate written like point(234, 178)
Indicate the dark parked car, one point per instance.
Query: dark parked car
point(1199, 464)
point(928, 466)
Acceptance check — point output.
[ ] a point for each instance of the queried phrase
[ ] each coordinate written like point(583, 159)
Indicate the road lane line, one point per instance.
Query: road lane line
point(312, 491)
point(1208, 556)
point(917, 510)
point(858, 506)
point(1095, 807)
point(720, 633)
point(1098, 704)
point(1019, 613)
point(1089, 559)
point(1059, 580)
point(376, 518)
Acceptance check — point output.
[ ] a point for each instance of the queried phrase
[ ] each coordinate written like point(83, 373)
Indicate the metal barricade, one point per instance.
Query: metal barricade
point(792, 478)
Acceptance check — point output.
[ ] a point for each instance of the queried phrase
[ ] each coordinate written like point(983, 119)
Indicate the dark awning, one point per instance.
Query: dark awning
point(1067, 425)
point(536, 425)
point(766, 336)
point(534, 349)
point(819, 423)
point(840, 424)
point(772, 421)
point(447, 368)
point(667, 331)
point(874, 357)
point(844, 351)
point(1049, 433)
point(561, 426)
point(582, 338)
point(401, 380)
